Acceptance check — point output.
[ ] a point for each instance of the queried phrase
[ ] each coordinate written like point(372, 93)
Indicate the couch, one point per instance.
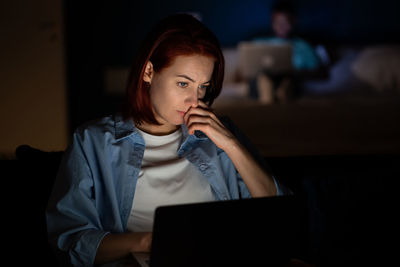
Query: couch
point(28, 182)
point(354, 109)
point(346, 70)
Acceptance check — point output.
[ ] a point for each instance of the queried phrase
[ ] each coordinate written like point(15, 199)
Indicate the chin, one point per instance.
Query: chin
point(176, 122)
point(179, 122)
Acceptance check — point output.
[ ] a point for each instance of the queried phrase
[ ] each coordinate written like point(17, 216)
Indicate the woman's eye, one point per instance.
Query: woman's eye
point(182, 84)
point(203, 87)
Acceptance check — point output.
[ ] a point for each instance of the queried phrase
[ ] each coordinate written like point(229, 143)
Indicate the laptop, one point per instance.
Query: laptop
point(258, 231)
point(262, 56)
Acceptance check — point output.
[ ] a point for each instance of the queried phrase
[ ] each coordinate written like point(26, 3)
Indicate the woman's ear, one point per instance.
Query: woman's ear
point(148, 72)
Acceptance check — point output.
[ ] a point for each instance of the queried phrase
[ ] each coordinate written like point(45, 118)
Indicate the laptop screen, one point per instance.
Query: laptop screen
point(262, 56)
point(235, 232)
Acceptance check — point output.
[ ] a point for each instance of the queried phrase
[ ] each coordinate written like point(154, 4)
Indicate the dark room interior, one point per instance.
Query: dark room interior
point(336, 144)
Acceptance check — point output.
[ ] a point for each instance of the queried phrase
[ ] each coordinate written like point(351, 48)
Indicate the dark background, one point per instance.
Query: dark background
point(102, 34)
point(350, 199)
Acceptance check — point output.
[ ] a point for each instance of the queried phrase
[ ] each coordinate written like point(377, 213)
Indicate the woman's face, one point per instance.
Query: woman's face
point(178, 87)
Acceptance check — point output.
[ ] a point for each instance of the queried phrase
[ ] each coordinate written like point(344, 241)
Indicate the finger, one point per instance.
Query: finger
point(203, 105)
point(205, 124)
point(201, 113)
point(203, 127)
point(208, 108)
point(204, 113)
point(216, 132)
point(197, 111)
point(199, 119)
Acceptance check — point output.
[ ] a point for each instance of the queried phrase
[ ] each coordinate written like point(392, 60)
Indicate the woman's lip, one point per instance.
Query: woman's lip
point(182, 113)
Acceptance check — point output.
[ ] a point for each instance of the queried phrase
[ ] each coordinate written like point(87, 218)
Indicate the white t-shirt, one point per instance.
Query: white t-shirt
point(165, 179)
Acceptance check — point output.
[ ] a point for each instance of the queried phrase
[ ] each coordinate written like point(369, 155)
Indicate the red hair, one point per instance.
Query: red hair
point(176, 35)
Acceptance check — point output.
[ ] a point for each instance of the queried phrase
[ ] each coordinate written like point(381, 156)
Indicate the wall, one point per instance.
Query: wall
point(32, 79)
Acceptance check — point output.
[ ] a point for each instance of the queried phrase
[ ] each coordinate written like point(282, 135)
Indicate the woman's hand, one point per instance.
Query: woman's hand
point(258, 182)
point(203, 119)
point(117, 246)
point(143, 241)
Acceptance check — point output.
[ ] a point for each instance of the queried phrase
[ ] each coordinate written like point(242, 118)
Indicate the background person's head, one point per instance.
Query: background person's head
point(174, 36)
point(282, 19)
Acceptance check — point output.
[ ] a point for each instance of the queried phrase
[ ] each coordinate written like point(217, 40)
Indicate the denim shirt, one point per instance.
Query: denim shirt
point(95, 185)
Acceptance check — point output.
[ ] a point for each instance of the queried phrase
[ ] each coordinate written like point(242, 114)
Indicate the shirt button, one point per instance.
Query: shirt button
point(203, 166)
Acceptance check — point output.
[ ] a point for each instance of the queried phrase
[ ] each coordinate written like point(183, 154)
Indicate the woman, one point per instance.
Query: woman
point(169, 147)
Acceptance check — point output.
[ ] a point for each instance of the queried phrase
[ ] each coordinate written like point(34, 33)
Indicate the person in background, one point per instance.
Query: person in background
point(305, 60)
point(166, 147)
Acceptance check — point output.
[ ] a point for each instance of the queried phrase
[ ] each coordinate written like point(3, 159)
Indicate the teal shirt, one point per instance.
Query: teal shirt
point(304, 55)
point(94, 189)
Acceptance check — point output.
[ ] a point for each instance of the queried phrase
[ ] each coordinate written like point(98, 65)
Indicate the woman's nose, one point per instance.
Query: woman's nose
point(193, 99)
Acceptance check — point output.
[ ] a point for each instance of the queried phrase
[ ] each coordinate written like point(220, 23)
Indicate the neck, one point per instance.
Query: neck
point(157, 129)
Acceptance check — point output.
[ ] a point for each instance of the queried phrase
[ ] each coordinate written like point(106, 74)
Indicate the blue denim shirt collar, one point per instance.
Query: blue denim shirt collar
point(125, 128)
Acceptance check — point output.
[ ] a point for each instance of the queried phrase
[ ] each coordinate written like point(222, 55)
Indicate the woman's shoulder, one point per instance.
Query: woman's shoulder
point(114, 126)
point(101, 124)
